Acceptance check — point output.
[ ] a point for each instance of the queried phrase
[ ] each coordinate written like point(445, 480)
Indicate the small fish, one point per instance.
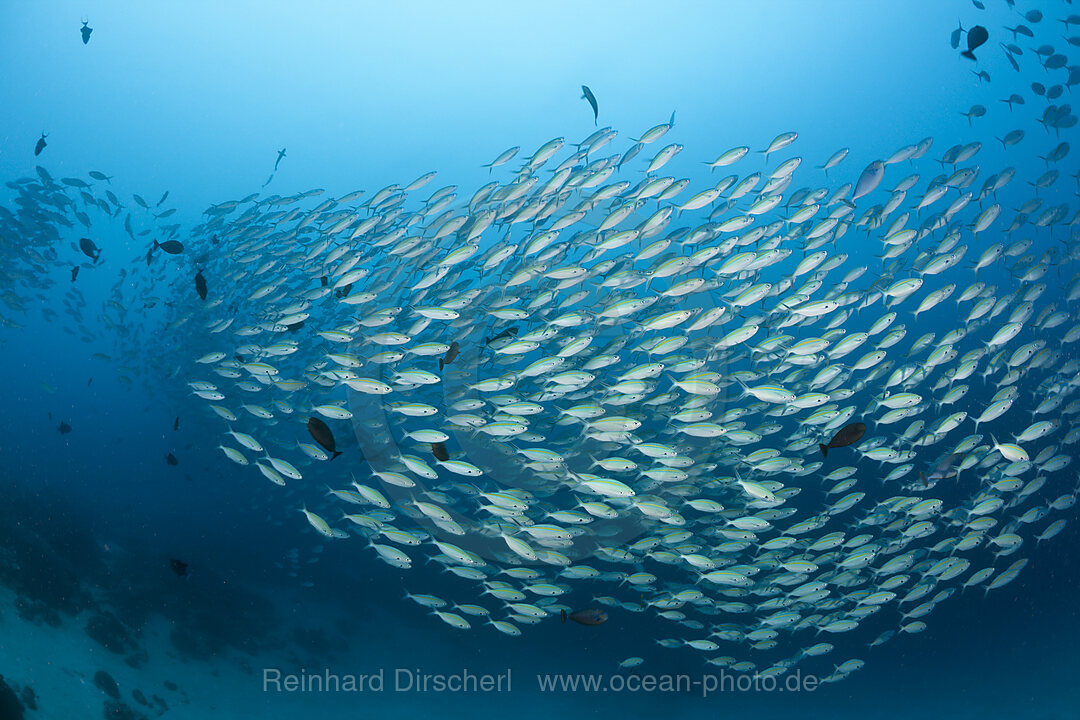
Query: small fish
point(74, 272)
point(180, 568)
point(89, 249)
point(449, 356)
point(588, 616)
point(200, 285)
point(86, 30)
point(171, 459)
point(63, 428)
point(41, 145)
point(322, 434)
point(280, 154)
point(847, 435)
point(587, 94)
point(159, 202)
point(176, 423)
point(954, 39)
point(976, 36)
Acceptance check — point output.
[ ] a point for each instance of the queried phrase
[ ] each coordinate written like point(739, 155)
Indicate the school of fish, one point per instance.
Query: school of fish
point(579, 386)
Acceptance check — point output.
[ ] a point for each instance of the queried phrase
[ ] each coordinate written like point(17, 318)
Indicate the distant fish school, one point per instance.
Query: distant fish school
point(577, 386)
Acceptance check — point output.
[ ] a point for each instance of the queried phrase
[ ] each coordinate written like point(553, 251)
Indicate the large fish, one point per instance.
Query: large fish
point(587, 94)
point(845, 436)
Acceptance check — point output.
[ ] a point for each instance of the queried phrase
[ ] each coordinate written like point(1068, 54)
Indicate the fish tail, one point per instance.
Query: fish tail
point(968, 54)
point(336, 453)
point(824, 450)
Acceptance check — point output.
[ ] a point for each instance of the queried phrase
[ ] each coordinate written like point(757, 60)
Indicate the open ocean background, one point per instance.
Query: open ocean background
point(195, 99)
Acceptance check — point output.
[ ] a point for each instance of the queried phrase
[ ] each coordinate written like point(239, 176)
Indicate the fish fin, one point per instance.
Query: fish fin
point(336, 453)
point(824, 450)
point(968, 54)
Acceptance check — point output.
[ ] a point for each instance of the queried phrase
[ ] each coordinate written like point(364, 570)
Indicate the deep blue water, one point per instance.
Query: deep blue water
point(196, 99)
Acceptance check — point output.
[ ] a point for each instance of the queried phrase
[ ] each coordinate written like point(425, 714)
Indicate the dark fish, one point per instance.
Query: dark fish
point(847, 435)
point(508, 332)
point(322, 434)
point(180, 568)
point(200, 285)
point(325, 280)
point(586, 94)
point(41, 144)
point(1038, 88)
point(86, 30)
point(945, 468)
point(450, 355)
point(976, 36)
point(149, 255)
point(1014, 98)
point(280, 154)
point(171, 459)
point(588, 616)
point(982, 75)
point(176, 423)
point(162, 199)
point(89, 249)
point(63, 428)
point(954, 39)
point(74, 273)
point(439, 451)
point(1033, 16)
point(173, 247)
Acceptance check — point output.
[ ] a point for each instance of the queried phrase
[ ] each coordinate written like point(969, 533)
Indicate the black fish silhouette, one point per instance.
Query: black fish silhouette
point(180, 568)
point(322, 434)
point(63, 428)
point(588, 616)
point(280, 154)
point(173, 247)
point(439, 451)
point(176, 423)
point(41, 145)
point(171, 459)
point(200, 285)
point(586, 94)
point(86, 30)
point(976, 37)
point(847, 435)
point(74, 272)
point(450, 355)
point(89, 249)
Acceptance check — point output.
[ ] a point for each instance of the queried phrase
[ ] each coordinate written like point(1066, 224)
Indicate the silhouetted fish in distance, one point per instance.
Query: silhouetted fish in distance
point(976, 37)
point(180, 568)
point(41, 145)
point(89, 249)
point(86, 30)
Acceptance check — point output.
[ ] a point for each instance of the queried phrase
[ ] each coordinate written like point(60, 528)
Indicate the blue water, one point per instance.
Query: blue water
point(196, 99)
